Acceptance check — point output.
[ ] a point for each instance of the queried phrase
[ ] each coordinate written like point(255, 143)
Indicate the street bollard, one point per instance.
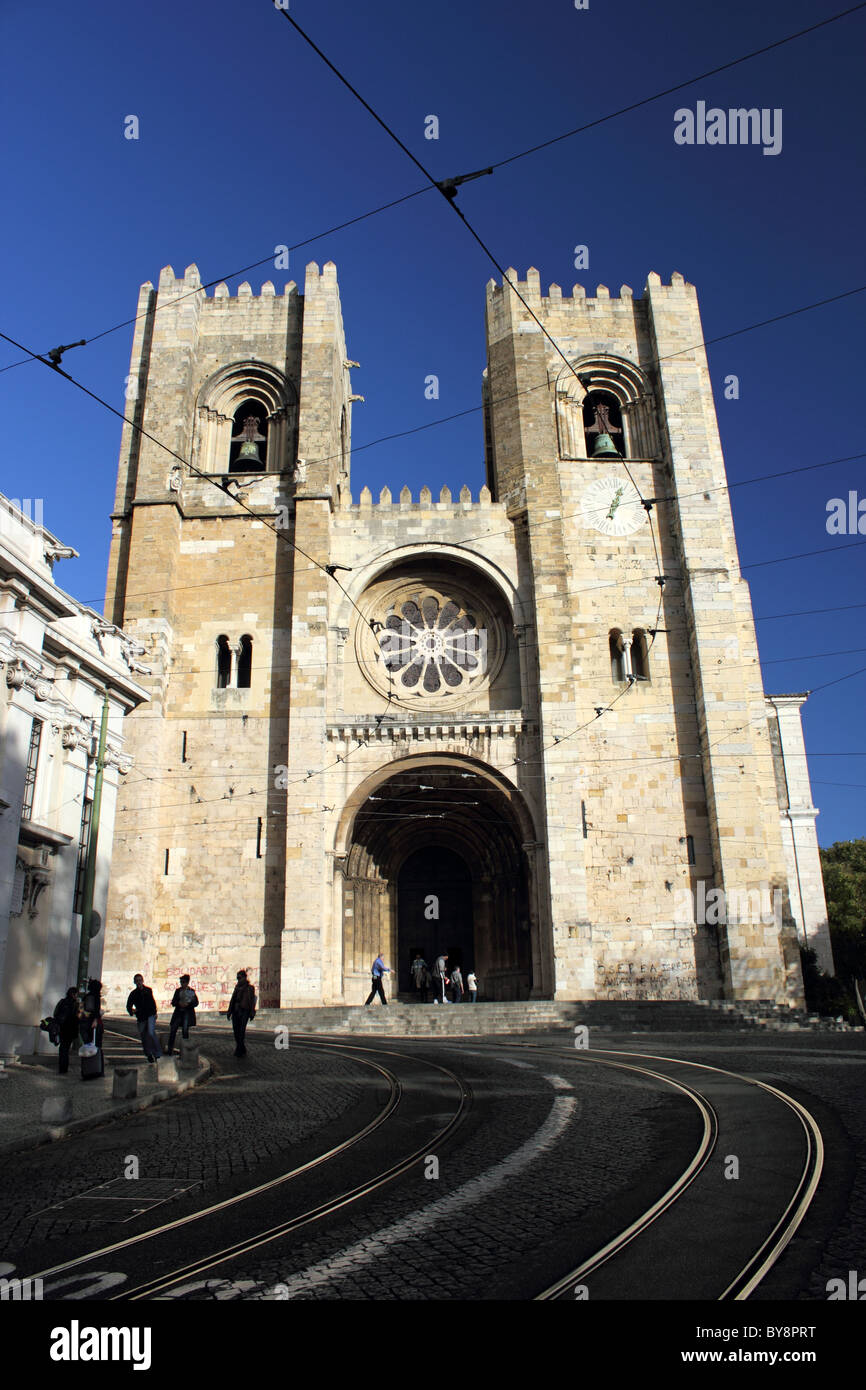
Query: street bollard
point(57, 1110)
point(125, 1085)
point(166, 1069)
point(188, 1055)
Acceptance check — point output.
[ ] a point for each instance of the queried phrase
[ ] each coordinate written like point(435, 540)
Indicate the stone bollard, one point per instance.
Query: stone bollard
point(57, 1110)
point(188, 1055)
point(166, 1069)
point(125, 1085)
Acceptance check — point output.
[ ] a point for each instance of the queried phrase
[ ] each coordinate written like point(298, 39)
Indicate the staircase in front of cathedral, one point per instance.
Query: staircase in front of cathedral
point(538, 1015)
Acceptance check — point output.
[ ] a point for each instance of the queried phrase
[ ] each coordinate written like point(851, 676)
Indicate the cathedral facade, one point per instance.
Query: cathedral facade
point(526, 727)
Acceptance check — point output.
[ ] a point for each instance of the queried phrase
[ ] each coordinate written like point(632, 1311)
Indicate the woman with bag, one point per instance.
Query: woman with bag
point(184, 1001)
point(91, 1030)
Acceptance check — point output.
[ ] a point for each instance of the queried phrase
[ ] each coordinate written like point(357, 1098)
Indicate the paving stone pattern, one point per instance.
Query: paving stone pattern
point(280, 1097)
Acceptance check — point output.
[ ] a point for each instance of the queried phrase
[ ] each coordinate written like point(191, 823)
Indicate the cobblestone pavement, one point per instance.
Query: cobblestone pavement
point(498, 1244)
point(236, 1128)
point(505, 1247)
point(827, 1073)
point(620, 1143)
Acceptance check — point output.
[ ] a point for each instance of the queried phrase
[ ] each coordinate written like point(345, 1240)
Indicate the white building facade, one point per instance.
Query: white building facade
point(59, 659)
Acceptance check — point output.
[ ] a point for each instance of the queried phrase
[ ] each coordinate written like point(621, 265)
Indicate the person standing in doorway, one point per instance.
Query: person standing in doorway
point(142, 1005)
point(184, 1001)
point(420, 976)
point(440, 978)
point(472, 986)
point(379, 969)
point(242, 1008)
point(456, 985)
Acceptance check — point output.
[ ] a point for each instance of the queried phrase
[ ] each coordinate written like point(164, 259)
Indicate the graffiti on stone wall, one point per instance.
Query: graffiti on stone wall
point(664, 979)
point(214, 985)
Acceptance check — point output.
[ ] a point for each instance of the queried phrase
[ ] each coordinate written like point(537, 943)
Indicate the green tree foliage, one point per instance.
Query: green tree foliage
point(844, 869)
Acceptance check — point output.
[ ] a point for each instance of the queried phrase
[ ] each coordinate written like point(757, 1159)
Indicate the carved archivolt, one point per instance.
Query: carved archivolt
point(621, 379)
point(223, 394)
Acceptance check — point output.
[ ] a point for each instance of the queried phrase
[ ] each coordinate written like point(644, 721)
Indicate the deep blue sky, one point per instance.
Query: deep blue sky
point(247, 141)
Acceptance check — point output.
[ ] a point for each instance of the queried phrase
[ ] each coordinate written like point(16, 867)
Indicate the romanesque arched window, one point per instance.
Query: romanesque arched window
point(224, 662)
point(639, 655)
point(246, 421)
point(619, 390)
point(245, 662)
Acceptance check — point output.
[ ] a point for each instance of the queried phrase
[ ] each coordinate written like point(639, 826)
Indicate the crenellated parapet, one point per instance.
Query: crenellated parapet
point(405, 501)
point(530, 290)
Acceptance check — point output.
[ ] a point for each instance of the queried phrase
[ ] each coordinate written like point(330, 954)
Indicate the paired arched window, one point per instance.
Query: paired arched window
point(245, 662)
point(224, 662)
point(241, 658)
point(639, 655)
point(617, 656)
point(629, 656)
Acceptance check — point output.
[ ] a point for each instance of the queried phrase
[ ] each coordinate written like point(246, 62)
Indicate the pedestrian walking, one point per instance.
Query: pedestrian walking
point(242, 1008)
point(142, 1005)
point(184, 1001)
point(420, 977)
point(456, 985)
point(440, 979)
point(472, 986)
point(66, 1015)
point(379, 969)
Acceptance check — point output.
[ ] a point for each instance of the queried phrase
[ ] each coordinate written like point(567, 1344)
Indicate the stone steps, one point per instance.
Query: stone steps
point(638, 1016)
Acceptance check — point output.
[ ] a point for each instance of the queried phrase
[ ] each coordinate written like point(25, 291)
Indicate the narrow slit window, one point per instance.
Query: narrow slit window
point(690, 848)
point(245, 662)
point(224, 662)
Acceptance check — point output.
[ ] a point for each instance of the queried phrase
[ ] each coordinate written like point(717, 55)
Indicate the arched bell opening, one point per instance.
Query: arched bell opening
point(436, 862)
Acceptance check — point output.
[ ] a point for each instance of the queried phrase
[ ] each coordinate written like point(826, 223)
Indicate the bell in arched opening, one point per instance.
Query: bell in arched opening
point(245, 456)
point(601, 415)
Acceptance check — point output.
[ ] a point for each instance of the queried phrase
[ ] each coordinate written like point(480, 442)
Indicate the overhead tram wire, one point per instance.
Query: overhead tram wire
point(232, 275)
point(448, 189)
point(325, 569)
point(496, 164)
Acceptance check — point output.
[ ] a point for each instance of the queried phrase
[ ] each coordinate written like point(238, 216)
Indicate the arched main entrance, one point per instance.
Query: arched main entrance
point(436, 859)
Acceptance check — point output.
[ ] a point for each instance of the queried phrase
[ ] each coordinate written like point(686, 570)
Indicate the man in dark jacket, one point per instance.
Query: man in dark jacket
point(242, 1007)
point(142, 1004)
point(184, 1001)
point(66, 1014)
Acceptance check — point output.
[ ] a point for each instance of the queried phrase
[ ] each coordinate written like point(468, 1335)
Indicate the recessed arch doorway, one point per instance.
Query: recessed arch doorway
point(438, 857)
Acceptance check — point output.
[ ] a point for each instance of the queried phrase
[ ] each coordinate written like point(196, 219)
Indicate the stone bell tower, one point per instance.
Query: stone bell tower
point(253, 392)
point(659, 767)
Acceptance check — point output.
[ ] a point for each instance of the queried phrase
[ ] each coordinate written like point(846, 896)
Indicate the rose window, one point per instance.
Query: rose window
point(435, 644)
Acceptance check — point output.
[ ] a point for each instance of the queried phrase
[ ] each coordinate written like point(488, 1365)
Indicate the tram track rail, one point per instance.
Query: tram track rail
point(344, 1198)
point(795, 1202)
point(776, 1231)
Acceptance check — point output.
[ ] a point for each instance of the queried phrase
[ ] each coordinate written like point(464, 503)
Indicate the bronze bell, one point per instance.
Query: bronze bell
point(604, 448)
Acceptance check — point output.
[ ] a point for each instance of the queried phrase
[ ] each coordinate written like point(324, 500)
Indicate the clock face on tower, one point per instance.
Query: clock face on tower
point(611, 505)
